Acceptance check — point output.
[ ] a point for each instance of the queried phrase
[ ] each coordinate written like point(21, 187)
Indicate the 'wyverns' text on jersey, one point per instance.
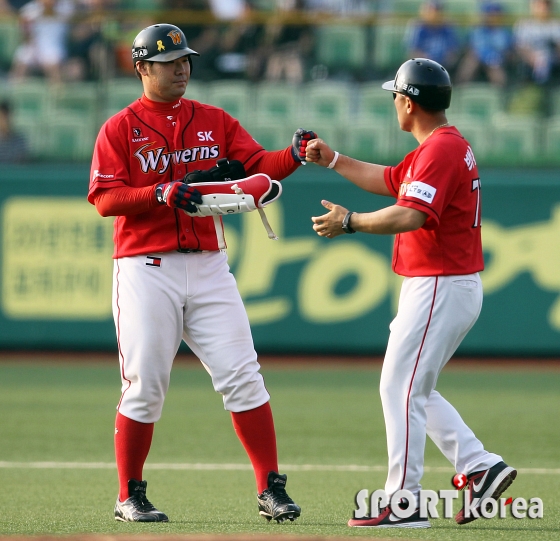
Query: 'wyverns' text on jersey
point(158, 160)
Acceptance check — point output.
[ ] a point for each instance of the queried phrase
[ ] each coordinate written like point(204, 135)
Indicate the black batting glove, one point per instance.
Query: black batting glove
point(177, 194)
point(299, 144)
point(197, 176)
point(224, 171)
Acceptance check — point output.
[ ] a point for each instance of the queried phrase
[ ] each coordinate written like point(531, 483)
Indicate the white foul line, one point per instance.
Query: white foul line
point(242, 467)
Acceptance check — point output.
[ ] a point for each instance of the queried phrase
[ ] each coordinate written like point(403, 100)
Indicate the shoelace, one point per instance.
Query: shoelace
point(281, 495)
point(143, 503)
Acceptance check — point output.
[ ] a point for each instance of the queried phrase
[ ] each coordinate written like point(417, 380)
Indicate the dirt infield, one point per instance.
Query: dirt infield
point(295, 361)
point(197, 537)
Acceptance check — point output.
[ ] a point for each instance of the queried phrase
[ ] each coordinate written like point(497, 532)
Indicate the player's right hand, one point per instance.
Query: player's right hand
point(299, 143)
point(317, 151)
point(177, 194)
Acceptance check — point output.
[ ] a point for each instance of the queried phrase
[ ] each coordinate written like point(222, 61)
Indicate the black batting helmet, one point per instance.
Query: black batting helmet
point(160, 43)
point(423, 81)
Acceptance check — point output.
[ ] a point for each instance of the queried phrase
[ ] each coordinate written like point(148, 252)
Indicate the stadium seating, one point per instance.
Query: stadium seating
point(29, 99)
point(34, 131)
point(389, 51)
point(120, 93)
point(235, 97)
point(326, 101)
point(197, 90)
point(342, 47)
point(358, 119)
point(516, 7)
point(479, 100)
point(70, 137)
point(516, 138)
point(278, 101)
point(406, 7)
point(10, 38)
point(74, 99)
point(461, 7)
point(402, 143)
point(373, 101)
point(552, 139)
point(269, 133)
point(554, 96)
point(369, 138)
point(478, 133)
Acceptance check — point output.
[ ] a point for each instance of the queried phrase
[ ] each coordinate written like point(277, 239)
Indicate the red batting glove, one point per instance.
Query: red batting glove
point(177, 194)
point(299, 144)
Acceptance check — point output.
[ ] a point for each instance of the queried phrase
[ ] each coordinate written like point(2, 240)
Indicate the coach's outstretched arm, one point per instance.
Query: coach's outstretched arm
point(388, 221)
point(368, 176)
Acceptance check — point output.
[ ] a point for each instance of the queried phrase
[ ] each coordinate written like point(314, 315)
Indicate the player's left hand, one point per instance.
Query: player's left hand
point(329, 225)
point(177, 194)
point(299, 144)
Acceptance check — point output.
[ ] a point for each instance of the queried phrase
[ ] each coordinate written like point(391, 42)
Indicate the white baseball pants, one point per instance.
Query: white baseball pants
point(434, 315)
point(162, 298)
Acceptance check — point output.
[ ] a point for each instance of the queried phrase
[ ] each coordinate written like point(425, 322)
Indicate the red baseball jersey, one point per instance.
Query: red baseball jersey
point(148, 143)
point(439, 178)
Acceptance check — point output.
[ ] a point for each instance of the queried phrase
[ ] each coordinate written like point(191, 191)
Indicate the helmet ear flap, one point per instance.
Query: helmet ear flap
point(190, 63)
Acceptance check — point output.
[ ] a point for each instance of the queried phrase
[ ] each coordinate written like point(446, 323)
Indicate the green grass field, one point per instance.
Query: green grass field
point(328, 420)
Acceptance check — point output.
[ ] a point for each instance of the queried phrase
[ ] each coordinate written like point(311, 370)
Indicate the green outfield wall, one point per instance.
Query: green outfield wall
point(302, 293)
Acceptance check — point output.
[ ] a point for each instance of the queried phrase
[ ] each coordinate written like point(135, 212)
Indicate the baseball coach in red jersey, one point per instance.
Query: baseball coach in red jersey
point(171, 278)
point(436, 222)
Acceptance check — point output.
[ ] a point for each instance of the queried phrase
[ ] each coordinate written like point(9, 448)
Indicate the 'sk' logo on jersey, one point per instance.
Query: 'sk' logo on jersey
point(137, 132)
point(156, 159)
point(175, 36)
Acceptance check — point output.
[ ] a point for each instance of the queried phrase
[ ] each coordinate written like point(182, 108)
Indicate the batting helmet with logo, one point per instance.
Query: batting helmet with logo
point(423, 81)
point(160, 43)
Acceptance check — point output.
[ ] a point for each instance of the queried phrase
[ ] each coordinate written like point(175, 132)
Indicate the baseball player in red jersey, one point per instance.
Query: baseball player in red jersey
point(437, 248)
point(171, 277)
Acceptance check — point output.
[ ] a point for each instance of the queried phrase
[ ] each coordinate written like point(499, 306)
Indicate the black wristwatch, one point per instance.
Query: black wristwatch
point(346, 223)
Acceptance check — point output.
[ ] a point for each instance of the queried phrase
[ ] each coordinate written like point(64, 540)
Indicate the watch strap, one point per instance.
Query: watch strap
point(346, 223)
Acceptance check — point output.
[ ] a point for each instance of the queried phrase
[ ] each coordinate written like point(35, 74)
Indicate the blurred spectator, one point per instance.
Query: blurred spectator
point(538, 41)
point(288, 45)
point(227, 10)
point(45, 28)
point(239, 53)
point(489, 49)
point(232, 49)
point(88, 52)
point(203, 38)
point(431, 36)
point(13, 145)
point(340, 7)
point(12, 5)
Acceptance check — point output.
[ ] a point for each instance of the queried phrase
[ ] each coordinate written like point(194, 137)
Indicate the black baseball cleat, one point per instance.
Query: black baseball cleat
point(387, 519)
point(137, 508)
point(274, 503)
point(490, 483)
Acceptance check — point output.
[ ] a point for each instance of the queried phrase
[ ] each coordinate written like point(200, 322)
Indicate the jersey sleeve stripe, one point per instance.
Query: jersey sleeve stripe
point(416, 203)
point(250, 158)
